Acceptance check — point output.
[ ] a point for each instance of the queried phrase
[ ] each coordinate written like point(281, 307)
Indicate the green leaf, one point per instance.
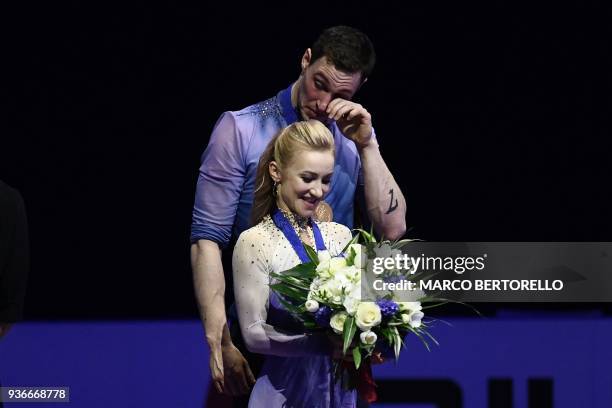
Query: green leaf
point(367, 237)
point(405, 242)
point(386, 332)
point(431, 337)
point(350, 327)
point(354, 240)
point(350, 258)
point(357, 357)
point(305, 270)
point(444, 301)
point(290, 292)
point(290, 306)
point(397, 343)
point(420, 336)
point(310, 325)
point(297, 283)
point(302, 291)
point(312, 254)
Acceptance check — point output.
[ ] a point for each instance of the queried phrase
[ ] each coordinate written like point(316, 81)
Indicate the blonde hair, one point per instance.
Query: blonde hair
point(299, 136)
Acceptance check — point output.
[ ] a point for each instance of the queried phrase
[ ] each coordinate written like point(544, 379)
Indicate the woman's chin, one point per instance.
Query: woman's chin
point(307, 209)
point(305, 213)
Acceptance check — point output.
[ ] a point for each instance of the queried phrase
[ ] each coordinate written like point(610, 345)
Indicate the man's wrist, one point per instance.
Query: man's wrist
point(214, 341)
point(226, 338)
point(371, 145)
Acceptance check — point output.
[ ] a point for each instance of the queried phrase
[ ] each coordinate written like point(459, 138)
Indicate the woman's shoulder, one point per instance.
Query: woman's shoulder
point(335, 231)
point(333, 227)
point(335, 235)
point(263, 231)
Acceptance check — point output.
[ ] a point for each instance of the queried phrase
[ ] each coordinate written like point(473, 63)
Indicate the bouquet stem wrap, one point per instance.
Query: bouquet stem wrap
point(363, 379)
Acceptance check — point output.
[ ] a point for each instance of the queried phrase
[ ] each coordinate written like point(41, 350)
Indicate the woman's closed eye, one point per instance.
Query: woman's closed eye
point(325, 181)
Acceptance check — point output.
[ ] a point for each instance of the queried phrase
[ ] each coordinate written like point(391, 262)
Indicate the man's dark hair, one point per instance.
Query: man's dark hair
point(347, 48)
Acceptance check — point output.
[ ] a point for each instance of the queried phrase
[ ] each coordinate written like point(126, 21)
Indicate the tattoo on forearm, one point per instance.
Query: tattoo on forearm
point(392, 203)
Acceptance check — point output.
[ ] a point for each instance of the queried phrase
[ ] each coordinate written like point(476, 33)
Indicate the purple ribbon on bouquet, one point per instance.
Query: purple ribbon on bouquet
point(283, 224)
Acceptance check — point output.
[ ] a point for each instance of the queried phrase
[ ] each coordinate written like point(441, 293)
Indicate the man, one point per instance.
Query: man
point(14, 261)
point(333, 70)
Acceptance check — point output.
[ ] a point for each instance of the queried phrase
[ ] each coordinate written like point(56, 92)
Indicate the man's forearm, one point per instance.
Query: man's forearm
point(385, 202)
point(209, 283)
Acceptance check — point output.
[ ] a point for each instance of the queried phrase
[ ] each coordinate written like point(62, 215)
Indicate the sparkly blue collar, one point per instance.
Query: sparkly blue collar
point(290, 114)
point(283, 224)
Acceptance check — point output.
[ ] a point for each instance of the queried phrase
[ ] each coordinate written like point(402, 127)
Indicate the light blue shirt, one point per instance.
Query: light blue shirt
point(224, 192)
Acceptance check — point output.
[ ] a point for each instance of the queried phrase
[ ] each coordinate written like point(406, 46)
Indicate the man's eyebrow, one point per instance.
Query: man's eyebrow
point(341, 93)
point(321, 77)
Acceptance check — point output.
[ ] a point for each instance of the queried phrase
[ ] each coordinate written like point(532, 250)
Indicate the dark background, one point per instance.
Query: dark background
point(494, 118)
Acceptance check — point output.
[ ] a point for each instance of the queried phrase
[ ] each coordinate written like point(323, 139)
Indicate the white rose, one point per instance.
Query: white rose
point(328, 269)
point(324, 256)
point(368, 315)
point(368, 337)
point(312, 305)
point(350, 304)
point(337, 322)
point(333, 290)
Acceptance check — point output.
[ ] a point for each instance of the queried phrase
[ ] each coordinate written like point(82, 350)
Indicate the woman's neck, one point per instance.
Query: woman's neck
point(301, 225)
point(299, 222)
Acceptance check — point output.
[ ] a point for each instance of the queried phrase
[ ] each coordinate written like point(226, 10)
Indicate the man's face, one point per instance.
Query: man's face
point(320, 84)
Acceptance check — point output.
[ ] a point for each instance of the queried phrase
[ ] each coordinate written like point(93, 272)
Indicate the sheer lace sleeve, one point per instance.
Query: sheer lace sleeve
point(251, 264)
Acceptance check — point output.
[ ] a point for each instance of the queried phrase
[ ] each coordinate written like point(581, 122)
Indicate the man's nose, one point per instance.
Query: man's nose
point(323, 101)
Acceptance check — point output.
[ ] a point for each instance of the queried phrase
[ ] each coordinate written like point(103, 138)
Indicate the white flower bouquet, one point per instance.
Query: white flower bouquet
point(325, 293)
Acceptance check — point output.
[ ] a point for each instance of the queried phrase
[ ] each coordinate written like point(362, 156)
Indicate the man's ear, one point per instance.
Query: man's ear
point(306, 59)
point(361, 84)
point(274, 171)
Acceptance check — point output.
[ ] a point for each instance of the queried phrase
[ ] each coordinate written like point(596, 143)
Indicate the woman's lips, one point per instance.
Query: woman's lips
point(310, 204)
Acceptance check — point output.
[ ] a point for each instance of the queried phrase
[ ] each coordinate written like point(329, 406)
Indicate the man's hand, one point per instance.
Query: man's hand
point(230, 371)
point(353, 120)
point(216, 369)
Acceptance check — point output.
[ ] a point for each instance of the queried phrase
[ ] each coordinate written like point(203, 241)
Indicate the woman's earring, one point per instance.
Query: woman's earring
point(275, 189)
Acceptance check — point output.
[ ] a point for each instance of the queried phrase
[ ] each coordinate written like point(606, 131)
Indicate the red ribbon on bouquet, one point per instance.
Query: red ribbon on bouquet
point(366, 387)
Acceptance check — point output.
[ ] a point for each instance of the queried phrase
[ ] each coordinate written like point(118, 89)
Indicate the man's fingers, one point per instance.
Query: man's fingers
point(218, 386)
point(343, 110)
point(242, 382)
point(216, 370)
point(334, 106)
point(230, 387)
point(358, 111)
point(250, 376)
point(350, 111)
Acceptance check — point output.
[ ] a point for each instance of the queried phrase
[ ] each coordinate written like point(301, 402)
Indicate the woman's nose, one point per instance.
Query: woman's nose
point(317, 191)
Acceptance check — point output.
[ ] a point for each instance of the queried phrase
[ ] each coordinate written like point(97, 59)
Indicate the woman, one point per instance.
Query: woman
point(293, 177)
